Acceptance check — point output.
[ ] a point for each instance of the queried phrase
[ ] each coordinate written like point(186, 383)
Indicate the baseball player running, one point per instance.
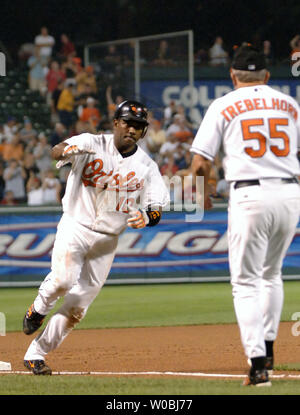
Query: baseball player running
point(259, 129)
point(112, 184)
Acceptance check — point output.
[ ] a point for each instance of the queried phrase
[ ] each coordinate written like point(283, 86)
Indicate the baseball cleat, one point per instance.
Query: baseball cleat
point(37, 367)
point(32, 320)
point(269, 365)
point(257, 378)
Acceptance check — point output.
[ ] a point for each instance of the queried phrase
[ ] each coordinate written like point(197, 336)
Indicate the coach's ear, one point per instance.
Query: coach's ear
point(233, 78)
point(267, 77)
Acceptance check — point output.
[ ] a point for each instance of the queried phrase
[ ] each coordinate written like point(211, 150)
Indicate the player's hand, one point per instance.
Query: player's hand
point(72, 150)
point(137, 220)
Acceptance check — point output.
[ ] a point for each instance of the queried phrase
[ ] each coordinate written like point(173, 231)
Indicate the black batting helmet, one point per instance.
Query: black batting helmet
point(133, 110)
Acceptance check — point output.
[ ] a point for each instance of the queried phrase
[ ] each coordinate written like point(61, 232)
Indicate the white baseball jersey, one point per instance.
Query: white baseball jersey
point(104, 187)
point(259, 129)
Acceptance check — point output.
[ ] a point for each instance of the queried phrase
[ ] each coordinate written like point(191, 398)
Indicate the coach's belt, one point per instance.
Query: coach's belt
point(245, 183)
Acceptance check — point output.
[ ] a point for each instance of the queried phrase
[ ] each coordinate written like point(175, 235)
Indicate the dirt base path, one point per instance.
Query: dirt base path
point(207, 348)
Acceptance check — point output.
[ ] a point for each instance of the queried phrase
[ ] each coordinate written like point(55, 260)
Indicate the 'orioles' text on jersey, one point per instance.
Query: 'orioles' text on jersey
point(102, 188)
point(259, 128)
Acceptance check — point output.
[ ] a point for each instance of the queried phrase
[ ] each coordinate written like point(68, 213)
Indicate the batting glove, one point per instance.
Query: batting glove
point(72, 150)
point(138, 219)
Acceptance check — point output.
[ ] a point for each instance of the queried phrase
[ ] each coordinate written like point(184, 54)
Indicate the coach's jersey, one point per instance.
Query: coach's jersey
point(103, 188)
point(259, 129)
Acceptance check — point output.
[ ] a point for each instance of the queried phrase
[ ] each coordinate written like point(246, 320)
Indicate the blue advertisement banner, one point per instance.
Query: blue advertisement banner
point(197, 100)
point(174, 250)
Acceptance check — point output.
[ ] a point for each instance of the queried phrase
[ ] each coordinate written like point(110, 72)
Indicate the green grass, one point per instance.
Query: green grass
point(149, 305)
point(91, 385)
point(145, 306)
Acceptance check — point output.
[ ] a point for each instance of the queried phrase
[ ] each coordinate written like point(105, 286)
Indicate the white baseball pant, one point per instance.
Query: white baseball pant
point(262, 221)
point(81, 261)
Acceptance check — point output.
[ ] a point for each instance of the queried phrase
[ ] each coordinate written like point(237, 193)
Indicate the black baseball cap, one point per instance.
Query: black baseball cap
point(248, 58)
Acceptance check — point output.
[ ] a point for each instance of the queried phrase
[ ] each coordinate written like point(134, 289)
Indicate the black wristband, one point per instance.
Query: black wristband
point(154, 217)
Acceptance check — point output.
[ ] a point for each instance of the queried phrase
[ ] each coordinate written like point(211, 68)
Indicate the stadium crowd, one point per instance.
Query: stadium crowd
point(71, 90)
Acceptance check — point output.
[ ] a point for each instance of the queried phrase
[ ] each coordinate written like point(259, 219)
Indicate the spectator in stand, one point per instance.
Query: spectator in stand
point(90, 113)
point(13, 149)
point(35, 192)
point(66, 104)
point(67, 47)
point(169, 151)
point(169, 112)
point(86, 77)
point(268, 52)
point(78, 63)
point(14, 176)
point(59, 134)
point(295, 46)
point(186, 119)
point(36, 76)
point(179, 128)
point(54, 101)
point(51, 187)
point(27, 132)
point(8, 198)
point(54, 76)
point(2, 182)
point(112, 55)
point(42, 153)
point(217, 54)
point(112, 104)
point(69, 67)
point(45, 43)
point(154, 139)
point(31, 145)
point(10, 128)
point(29, 166)
point(163, 57)
point(80, 99)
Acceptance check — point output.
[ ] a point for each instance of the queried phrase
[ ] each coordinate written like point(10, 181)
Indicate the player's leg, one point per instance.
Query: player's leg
point(247, 243)
point(94, 273)
point(70, 245)
point(286, 216)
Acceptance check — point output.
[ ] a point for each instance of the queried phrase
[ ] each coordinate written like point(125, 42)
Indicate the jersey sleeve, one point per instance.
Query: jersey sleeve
point(84, 141)
point(155, 193)
point(208, 138)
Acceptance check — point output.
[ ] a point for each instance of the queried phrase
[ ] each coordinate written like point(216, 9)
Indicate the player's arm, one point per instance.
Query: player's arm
point(57, 151)
point(63, 152)
point(201, 166)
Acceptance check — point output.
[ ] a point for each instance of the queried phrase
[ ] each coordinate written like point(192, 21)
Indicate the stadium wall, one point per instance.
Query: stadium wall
point(174, 251)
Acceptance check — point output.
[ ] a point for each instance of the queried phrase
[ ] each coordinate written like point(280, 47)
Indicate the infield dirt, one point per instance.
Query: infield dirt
point(205, 348)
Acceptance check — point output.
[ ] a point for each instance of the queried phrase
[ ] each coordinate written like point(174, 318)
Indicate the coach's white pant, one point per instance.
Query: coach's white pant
point(261, 224)
point(81, 261)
